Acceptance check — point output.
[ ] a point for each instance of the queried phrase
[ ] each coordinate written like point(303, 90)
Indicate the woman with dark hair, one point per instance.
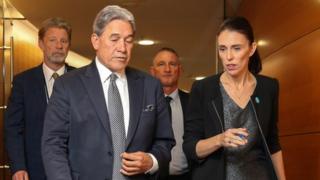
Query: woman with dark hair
point(231, 129)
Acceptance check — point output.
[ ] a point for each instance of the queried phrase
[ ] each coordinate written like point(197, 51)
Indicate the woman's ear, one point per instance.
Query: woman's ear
point(253, 48)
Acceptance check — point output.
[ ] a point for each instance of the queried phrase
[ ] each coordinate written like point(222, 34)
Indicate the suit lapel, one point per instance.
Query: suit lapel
point(256, 99)
point(136, 91)
point(92, 83)
point(184, 102)
point(40, 85)
point(216, 105)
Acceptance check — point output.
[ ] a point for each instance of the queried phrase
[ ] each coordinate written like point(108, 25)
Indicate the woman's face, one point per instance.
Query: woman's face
point(235, 50)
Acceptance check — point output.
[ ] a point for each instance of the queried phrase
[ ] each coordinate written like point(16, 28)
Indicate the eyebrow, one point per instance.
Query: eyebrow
point(233, 45)
point(118, 35)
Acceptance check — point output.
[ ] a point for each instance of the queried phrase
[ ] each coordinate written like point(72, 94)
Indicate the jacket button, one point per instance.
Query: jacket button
point(110, 154)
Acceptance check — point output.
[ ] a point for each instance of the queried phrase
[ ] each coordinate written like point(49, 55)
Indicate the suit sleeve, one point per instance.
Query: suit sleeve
point(163, 138)
point(14, 127)
point(55, 135)
point(194, 127)
point(273, 137)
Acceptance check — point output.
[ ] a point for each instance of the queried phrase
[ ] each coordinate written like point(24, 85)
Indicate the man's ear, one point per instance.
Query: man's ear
point(151, 70)
point(40, 44)
point(95, 41)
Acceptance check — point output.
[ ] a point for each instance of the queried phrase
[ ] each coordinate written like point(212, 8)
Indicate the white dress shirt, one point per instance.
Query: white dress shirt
point(47, 72)
point(178, 163)
point(122, 85)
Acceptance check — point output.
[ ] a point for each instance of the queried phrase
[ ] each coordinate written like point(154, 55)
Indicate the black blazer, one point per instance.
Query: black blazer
point(24, 122)
point(184, 98)
point(77, 142)
point(202, 122)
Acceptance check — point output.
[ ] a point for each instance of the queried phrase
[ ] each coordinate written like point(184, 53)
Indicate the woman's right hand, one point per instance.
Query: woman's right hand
point(229, 138)
point(234, 137)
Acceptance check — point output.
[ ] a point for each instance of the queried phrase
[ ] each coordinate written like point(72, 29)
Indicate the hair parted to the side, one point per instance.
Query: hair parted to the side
point(55, 22)
point(110, 13)
point(242, 25)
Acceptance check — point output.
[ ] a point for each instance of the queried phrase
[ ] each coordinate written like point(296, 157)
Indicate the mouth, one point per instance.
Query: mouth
point(167, 75)
point(58, 54)
point(231, 66)
point(120, 58)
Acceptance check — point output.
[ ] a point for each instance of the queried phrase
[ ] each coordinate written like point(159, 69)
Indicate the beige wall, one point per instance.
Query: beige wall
point(291, 31)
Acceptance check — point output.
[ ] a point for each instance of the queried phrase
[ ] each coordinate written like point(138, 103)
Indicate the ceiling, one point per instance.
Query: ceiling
point(185, 25)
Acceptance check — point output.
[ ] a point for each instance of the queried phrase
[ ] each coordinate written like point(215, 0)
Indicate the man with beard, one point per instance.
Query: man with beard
point(30, 93)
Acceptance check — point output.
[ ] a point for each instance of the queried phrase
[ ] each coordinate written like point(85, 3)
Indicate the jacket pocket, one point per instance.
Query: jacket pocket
point(75, 176)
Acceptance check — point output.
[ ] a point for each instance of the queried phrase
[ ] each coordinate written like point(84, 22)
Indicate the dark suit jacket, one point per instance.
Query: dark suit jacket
point(24, 121)
point(77, 142)
point(202, 122)
point(184, 97)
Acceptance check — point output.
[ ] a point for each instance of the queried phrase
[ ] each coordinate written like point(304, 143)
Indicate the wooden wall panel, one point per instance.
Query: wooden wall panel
point(302, 156)
point(280, 22)
point(297, 68)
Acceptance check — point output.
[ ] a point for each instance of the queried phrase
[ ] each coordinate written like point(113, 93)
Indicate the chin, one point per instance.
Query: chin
point(118, 69)
point(233, 73)
point(167, 84)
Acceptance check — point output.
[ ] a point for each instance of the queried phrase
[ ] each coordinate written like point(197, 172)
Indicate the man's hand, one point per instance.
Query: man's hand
point(135, 163)
point(20, 175)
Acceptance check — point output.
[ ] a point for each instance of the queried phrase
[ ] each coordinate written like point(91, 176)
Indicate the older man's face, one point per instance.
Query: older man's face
point(113, 47)
point(55, 46)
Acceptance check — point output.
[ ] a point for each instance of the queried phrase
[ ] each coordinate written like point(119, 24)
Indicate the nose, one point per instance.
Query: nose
point(229, 55)
point(167, 68)
point(121, 46)
point(59, 45)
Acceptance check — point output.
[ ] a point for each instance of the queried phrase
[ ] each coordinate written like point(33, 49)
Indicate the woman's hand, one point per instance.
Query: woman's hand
point(230, 138)
point(234, 137)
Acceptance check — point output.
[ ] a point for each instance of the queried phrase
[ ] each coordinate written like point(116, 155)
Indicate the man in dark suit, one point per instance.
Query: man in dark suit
point(29, 96)
point(106, 120)
point(167, 68)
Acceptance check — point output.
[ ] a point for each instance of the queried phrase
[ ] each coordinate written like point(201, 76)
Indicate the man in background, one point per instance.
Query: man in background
point(167, 68)
point(107, 120)
point(30, 93)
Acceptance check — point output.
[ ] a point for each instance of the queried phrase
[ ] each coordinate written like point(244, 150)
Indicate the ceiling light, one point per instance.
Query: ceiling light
point(146, 42)
point(199, 78)
point(262, 43)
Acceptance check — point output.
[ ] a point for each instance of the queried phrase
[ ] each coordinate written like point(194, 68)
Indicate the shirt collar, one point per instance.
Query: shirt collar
point(48, 71)
point(105, 72)
point(174, 95)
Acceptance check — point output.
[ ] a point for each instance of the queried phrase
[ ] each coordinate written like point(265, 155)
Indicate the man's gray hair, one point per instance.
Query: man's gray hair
point(110, 13)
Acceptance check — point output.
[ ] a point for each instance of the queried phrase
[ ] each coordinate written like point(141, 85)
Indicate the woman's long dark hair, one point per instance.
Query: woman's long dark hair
point(242, 25)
